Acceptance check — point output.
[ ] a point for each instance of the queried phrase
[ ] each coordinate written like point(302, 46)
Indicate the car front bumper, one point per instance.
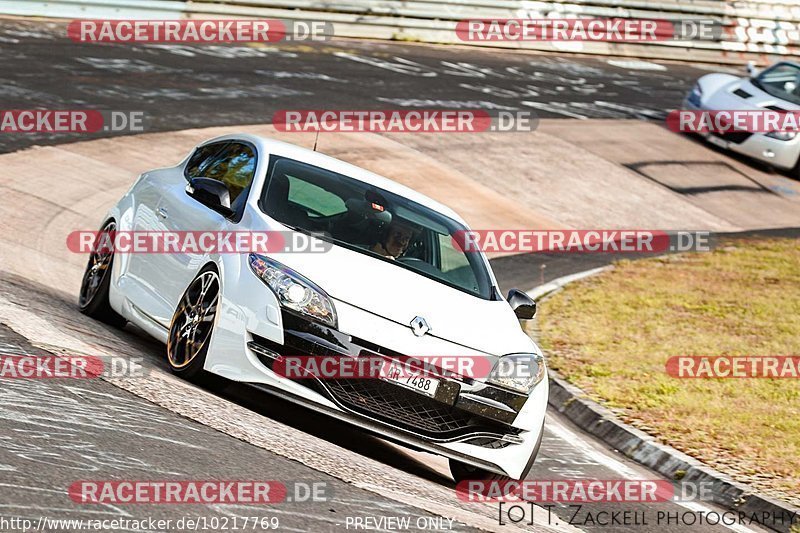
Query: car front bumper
point(468, 420)
point(780, 154)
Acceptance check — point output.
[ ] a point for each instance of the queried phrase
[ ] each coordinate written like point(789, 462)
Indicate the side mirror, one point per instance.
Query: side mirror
point(212, 194)
point(752, 69)
point(522, 304)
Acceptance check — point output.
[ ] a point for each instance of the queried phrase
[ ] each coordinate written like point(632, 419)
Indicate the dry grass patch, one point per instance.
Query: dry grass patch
point(612, 334)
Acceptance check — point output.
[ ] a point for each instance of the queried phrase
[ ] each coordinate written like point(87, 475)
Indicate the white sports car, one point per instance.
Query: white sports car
point(776, 88)
point(391, 284)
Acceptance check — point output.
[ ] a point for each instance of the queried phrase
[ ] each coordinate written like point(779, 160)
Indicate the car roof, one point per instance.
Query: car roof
point(292, 151)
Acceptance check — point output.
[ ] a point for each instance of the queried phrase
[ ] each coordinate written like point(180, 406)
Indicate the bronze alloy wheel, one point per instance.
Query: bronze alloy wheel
point(192, 323)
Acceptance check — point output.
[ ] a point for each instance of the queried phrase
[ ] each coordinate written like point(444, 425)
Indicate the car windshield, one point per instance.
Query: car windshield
point(372, 221)
point(781, 81)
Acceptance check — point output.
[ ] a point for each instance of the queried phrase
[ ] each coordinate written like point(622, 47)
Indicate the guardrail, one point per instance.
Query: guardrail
point(758, 30)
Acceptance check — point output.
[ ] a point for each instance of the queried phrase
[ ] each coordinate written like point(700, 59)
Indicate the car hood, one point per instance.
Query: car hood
point(397, 294)
point(724, 98)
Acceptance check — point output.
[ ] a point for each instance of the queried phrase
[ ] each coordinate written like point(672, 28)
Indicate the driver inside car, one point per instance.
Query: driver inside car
point(395, 240)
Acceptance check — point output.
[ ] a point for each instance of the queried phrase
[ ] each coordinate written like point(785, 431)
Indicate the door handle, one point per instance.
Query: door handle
point(162, 212)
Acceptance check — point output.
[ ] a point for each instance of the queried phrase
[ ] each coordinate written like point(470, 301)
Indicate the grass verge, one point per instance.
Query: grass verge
point(612, 334)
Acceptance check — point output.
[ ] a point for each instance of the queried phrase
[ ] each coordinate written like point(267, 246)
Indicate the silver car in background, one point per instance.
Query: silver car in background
point(776, 88)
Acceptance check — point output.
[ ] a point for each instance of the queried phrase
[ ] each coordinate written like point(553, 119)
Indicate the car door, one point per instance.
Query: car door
point(233, 163)
point(135, 268)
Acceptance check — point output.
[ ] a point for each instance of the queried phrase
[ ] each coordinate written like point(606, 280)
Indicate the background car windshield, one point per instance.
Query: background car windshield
point(364, 218)
point(781, 81)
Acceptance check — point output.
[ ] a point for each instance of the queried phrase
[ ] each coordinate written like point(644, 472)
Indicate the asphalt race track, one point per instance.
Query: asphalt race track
point(182, 86)
point(54, 433)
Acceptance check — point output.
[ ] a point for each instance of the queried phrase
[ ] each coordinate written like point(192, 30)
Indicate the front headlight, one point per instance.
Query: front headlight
point(782, 135)
point(696, 95)
point(520, 372)
point(294, 292)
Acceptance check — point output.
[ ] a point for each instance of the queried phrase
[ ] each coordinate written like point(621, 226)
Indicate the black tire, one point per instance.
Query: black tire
point(795, 172)
point(192, 326)
point(464, 472)
point(93, 297)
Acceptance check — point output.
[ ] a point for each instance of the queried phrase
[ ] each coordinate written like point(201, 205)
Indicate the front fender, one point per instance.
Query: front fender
point(247, 307)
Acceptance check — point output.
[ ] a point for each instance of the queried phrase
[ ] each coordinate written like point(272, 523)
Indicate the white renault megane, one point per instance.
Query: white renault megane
point(391, 284)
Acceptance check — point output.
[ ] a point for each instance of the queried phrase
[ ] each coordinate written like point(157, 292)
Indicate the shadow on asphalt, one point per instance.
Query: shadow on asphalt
point(324, 427)
point(741, 158)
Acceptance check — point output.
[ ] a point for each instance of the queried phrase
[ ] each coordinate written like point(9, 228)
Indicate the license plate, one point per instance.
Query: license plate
point(397, 373)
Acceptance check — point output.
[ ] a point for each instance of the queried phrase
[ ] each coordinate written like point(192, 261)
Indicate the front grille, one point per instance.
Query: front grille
point(401, 407)
point(736, 137)
point(383, 401)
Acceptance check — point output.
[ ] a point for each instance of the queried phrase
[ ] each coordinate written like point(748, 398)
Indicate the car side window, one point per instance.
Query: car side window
point(232, 163)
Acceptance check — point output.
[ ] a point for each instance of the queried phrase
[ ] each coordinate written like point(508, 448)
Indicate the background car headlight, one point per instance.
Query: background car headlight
point(696, 95)
point(520, 372)
point(294, 292)
point(782, 135)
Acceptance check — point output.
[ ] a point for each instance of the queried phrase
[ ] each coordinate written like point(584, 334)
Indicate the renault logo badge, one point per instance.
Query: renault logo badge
point(419, 326)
